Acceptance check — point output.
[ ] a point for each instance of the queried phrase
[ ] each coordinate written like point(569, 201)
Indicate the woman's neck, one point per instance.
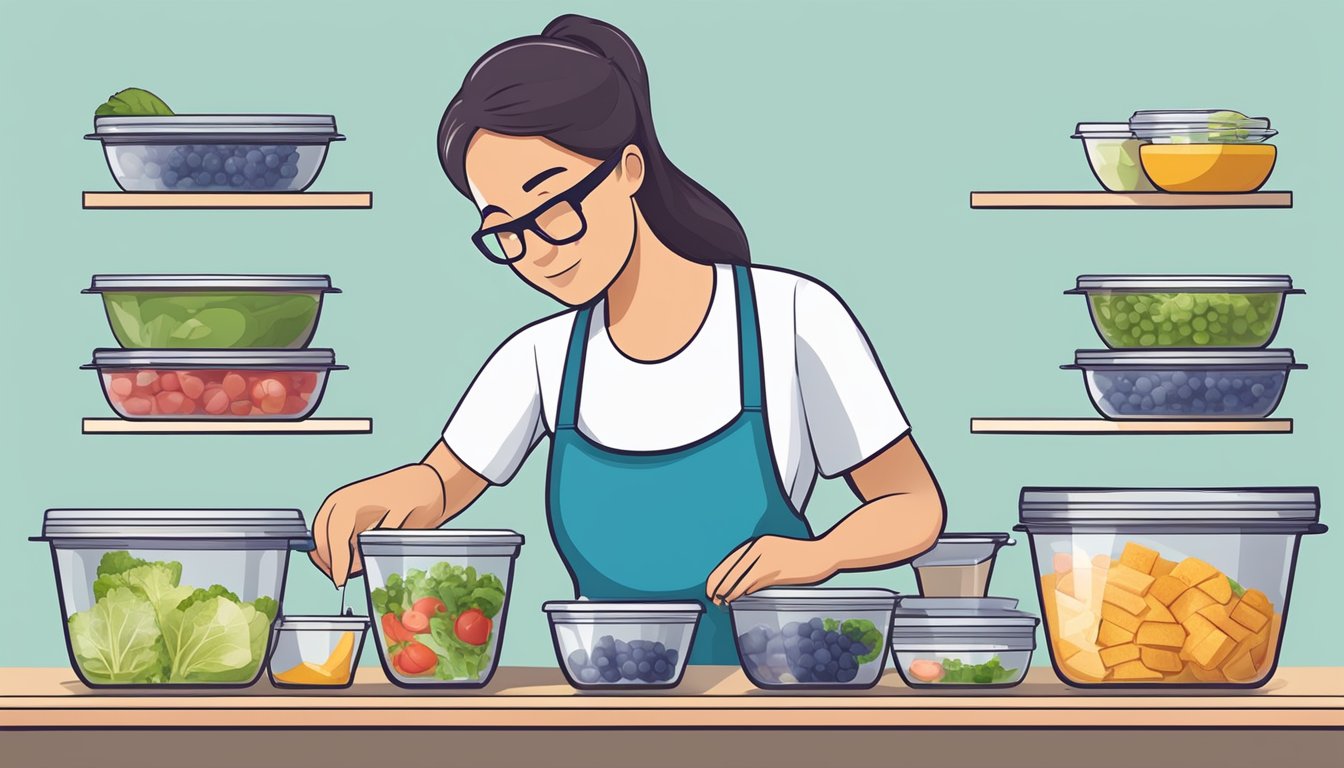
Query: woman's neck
point(658, 301)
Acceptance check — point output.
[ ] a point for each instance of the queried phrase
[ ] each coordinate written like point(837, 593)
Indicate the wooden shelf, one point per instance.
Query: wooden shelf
point(1061, 426)
point(227, 200)
point(1063, 200)
point(356, 426)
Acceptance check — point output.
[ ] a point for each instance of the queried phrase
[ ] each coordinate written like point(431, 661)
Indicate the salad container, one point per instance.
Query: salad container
point(813, 637)
point(212, 311)
point(1166, 587)
point(1199, 126)
point(438, 599)
point(959, 564)
point(215, 153)
point(1185, 384)
point(611, 644)
point(216, 385)
point(1187, 311)
point(1112, 152)
point(962, 642)
point(316, 651)
point(170, 597)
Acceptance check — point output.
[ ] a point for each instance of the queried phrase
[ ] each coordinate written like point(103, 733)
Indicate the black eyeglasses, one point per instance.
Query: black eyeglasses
point(557, 221)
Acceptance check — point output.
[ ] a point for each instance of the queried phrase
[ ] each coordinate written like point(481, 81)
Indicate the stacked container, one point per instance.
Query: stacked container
point(213, 347)
point(1185, 346)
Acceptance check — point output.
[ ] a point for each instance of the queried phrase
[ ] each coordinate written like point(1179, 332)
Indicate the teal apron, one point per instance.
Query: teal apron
point(651, 525)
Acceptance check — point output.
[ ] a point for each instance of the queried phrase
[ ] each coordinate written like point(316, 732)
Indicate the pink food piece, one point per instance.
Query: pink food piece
point(146, 378)
point(234, 385)
point(169, 402)
point(240, 407)
point(120, 387)
point(192, 385)
point(169, 381)
point(293, 404)
point(138, 406)
point(215, 401)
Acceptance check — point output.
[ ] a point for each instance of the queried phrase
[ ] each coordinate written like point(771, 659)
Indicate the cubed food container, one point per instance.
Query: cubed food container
point(316, 651)
point(170, 597)
point(215, 153)
point(1166, 587)
point(813, 637)
point(615, 644)
point(212, 311)
point(1112, 151)
point(1185, 384)
point(438, 599)
point(215, 385)
point(1185, 311)
point(959, 564)
point(962, 642)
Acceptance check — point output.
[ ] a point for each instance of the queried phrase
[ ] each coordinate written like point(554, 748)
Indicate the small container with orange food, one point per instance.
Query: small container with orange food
point(1204, 150)
point(316, 651)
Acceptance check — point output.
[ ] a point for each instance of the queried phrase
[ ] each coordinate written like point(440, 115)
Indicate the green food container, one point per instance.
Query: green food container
point(1185, 311)
point(212, 311)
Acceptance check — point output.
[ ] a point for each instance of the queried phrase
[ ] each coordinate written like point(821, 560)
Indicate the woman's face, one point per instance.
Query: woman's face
point(511, 176)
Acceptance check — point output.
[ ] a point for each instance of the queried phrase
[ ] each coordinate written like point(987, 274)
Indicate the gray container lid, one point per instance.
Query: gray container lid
point(336, 623)
point(964, 619)
point(1186, 283)
point(963, 549)
point(816, 599)
point(1194, 117)
point(622, 612)
point(279, 283)
point(280, 525)
point(1282, 509)
point(958, 605)
point(1102, 131)
point(1257, 359)
point(261, 359)
point(485, 542)
point(243, 124)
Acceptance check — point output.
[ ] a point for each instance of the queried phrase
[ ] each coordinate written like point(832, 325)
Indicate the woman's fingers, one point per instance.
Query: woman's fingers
point(341, 537)
point(321, 553)
point(759, 576)
point(721, 570)
point(736, 573)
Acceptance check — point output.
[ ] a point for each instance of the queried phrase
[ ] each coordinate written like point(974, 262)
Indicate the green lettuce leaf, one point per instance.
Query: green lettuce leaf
point(210, 636)
point(133, 101)
point(118, 639)
point(259, 632)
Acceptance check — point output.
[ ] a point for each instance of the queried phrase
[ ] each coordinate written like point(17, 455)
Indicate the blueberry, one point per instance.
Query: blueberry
point(153, 170)
point(843, 642)
point(817, 623)
point(221, 179)
point(805, 645)
point(846, 661)
point(671, 657)
point(272, 161)
point(589, 675)
point(601, 661)
point(845, 675)
point(185, 183)
point(629, 670)
point(806, 660)
point(821, 655)
point(661, 666)
point(202, 178)
point(790, 629)
point(237, 180)
point(644, 667)
point(212, 162)
point(169, 178)
point(637, 655)
point(622, 648)
point(254, 156)
point(579, 658)
point(253, 170)
point(193, 160)
point(611, 675)
point(233, 165)
point(292, 158)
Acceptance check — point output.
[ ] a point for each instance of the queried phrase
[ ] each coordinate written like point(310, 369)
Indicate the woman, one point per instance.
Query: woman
point(668, 477)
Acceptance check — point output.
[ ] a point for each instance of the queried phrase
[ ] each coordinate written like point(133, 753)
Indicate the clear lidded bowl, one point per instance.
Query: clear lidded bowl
point(316, 651)
point(962, 642)
point(606, 644)
point(959, 564)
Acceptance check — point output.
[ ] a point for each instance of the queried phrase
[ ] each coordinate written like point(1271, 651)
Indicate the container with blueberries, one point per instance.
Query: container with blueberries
point(1185, 384)
point(813, 637)
point(604, 644)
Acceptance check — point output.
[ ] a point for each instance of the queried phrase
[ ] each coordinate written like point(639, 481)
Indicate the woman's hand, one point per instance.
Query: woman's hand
point(409, 497)
point(769, 561)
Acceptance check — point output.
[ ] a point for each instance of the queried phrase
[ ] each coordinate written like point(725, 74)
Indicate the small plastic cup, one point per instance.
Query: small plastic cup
point(316, 651)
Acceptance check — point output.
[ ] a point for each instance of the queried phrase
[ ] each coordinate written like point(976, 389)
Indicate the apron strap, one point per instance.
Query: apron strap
point(573, 375)
point(748, 341)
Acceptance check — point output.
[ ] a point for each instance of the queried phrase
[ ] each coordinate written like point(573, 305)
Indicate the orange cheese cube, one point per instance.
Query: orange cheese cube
point(1156, 610)
point(1113, 634)
point(1256, 599)
point(1064, 649)
point(1249, 617)
point(1212, 650)
point(1197, 628)
point(1218, 615)
point(1161, 660)
point(1138, 557)
point(1119, 654)
point(1134, 671)
point(1260, 651)
point(1161, 567)
point(1219, 588)
point(1206, 675)
point(1189, 603)
point(1192, 571)
point(1127, 600)
point(1120, 617)
point(1128, 579)
point(1240, 669)
point(1085, 666)
point(1167, 588)
point(1160, 635)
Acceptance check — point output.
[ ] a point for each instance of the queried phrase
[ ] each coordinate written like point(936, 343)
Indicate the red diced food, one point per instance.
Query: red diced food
point(294, 404)
point(169, 382)
point(234, 385)
point(214, 401)
point(269, 395)
point(169, 402)
point(240, 408)
point(192, 385)
point(305, 381)
point(146, 378)
point(121, 385)
point(138, 406)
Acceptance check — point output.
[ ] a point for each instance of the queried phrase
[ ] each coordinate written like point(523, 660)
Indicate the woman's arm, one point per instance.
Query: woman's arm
point(901, 516)
point(424, 495)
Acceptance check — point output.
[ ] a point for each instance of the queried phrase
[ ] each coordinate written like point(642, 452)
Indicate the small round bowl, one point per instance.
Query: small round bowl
point(316, 651)
point(1208, 167)
point(611, 644)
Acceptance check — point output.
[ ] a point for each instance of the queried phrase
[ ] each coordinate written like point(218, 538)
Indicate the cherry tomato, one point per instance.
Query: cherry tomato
point(429, 606)
point(416, 658)
point(393, 631)
point(415, 622)
point(472, 627)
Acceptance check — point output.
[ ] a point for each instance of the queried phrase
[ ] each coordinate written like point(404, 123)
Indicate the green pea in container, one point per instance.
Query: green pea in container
point(1185, 311)
point(212, 311)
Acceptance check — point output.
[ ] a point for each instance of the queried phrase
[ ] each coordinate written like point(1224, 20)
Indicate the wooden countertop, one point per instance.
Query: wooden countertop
point(709, 697)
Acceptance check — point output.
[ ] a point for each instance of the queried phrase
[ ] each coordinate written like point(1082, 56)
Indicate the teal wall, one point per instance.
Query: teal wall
point(845, 135)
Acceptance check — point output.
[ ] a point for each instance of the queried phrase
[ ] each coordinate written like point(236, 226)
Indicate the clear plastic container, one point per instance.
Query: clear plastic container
point(438, 600)
point(962, 642)
point(1185, 311)
point(609, 644)
point(959, 564)
point(1199, 126)
point(217, 385)
point(1185, 384)
point(1112, 152)
point(166, 597)
point(316, 651)
point(1166, 587)
point(813, 637)
point(215, 153)
point(212, 311)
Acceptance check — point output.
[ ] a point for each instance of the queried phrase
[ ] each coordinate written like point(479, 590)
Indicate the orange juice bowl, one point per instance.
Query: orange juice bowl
point(1208, 167)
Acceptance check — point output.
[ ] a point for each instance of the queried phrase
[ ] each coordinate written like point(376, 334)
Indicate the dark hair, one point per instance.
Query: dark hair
point(582, 84)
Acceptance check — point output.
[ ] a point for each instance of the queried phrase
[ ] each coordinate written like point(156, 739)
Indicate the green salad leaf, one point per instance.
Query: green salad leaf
point(864, 631)
point(461, 588)
point(131, 102)
point(211, 636)
point(989, 673)
point(118, 639)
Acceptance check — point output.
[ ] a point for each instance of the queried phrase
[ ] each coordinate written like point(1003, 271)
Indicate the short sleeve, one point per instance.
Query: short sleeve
point(499, 420)
point(851, 411)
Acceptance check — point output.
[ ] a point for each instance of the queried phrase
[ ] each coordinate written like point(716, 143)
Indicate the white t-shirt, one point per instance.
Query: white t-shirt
point(829, 406)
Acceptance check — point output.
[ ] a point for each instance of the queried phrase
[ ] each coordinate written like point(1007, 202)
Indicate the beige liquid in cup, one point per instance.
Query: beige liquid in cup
point(954, 580)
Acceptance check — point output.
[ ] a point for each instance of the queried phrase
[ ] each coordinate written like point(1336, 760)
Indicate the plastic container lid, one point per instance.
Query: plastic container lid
point(622, 612)
point(963, 549)
point(263, 359)
point(1241, 359)
point(925, 623)
point(1283, 509)
point(1102, 131)
point(816, 599)
point(261, 125)
point(1163, 117)
point(322, 623)
point(182, 524)
point(101, 283)
point(499, 542)
point(1186, 283)
point(958, 604)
